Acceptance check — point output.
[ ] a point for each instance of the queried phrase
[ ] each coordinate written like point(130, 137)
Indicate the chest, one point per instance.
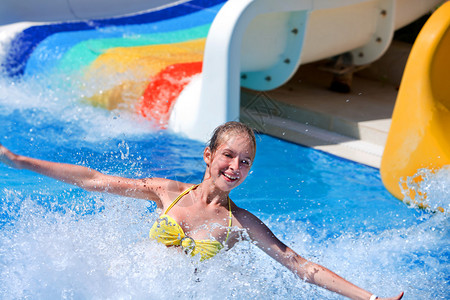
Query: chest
point(204, 223)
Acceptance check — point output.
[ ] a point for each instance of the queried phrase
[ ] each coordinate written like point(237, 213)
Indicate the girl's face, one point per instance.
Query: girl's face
point(229, 165)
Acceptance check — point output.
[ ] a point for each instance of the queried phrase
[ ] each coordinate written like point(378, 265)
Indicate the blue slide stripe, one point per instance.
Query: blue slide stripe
point(24, 44)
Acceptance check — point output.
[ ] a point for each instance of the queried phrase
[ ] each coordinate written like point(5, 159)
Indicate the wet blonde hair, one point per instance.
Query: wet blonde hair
point(231, 127)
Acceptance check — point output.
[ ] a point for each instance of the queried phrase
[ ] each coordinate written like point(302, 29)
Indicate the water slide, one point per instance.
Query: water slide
point(419, 136)
point(182, 63)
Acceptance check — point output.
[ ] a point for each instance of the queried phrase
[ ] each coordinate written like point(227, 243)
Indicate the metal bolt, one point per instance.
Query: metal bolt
point(268, 78)
point(243, 76)
point(384, 13)
point(287, 61)
point(294, 31)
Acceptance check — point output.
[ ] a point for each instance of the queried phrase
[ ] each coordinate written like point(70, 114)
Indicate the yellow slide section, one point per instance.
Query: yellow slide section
point(419, 136)
point(127, 71)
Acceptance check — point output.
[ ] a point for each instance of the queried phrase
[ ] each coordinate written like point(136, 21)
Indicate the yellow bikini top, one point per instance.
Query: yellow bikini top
point(168, 232)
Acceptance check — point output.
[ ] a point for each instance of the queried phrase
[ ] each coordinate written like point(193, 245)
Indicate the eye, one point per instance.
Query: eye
point(226, 154)
point(246, 162)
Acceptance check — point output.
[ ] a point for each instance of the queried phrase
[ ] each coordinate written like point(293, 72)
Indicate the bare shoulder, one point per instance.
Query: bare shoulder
point(168, 190)
point(245, 218)
point(153, 189)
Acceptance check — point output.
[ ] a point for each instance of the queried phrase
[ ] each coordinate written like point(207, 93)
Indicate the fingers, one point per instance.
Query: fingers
point(6, 157)
point(400, 296)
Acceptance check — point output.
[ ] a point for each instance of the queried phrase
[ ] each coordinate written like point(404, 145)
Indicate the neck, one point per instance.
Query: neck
point(210, 194)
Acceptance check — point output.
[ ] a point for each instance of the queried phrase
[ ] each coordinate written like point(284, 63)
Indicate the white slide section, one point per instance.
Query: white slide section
point(259, 44)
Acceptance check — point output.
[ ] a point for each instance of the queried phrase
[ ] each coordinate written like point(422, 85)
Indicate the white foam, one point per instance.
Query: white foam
point(107, 254)
point(8, 32)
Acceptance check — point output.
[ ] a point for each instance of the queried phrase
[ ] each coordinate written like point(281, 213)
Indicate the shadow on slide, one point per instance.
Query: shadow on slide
point(419, 136)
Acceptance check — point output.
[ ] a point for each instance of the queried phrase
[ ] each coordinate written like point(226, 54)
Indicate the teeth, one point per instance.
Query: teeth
point(230, 177)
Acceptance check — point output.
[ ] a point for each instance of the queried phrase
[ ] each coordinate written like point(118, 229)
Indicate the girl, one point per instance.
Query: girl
point(188, 208)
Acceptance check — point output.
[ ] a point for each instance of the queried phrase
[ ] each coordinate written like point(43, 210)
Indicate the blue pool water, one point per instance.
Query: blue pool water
point(58, 241)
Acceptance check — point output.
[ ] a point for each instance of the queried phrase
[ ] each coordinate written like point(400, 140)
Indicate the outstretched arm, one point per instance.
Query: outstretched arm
point(306, 270)
point(87, 178)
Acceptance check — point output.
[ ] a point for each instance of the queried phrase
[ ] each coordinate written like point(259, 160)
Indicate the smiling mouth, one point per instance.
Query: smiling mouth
point(230, 177)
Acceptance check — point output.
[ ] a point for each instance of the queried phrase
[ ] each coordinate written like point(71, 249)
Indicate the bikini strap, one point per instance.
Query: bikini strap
point(229, 221)
point(180, 196)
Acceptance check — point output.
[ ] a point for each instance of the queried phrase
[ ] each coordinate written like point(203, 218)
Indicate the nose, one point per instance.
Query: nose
point(234, 164)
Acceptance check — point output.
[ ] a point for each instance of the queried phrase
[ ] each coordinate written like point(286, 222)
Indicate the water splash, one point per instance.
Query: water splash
point(42, 103)
point(428, 189)
point(105, 253)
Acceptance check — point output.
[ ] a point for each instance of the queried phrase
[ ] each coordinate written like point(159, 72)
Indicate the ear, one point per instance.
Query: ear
point(207, 156)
